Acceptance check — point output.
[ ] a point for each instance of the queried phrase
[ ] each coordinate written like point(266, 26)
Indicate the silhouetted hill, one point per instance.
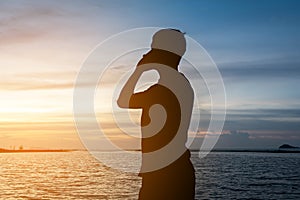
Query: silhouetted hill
point(287, 146)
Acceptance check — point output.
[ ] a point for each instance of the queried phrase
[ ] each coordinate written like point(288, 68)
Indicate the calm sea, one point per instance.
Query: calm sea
point(77, 175)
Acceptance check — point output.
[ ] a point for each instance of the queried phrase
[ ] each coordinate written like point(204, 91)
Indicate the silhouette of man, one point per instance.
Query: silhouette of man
point(167, 172)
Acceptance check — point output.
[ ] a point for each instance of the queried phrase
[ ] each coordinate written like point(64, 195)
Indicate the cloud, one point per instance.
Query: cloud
point(43, 21)
point(230, 140)
point(24, 22)
point(54, 80)
point(35, 86)
point(257, 119)
point(39, 81)
point(234, 139)
point(264, 113)
point(263, 119)
point(284, 67)
point(237, 139)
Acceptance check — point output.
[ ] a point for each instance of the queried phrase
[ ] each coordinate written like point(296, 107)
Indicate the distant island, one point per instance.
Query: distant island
point(287, 146)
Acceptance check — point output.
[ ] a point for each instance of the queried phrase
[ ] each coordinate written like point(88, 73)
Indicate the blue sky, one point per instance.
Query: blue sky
point(254, 43)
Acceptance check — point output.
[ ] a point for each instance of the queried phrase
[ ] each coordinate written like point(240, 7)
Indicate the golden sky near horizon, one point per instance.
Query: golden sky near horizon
point(41, 53)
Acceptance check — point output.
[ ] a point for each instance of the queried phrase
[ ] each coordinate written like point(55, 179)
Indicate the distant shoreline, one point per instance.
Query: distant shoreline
point(34, 150)
point(192, 150)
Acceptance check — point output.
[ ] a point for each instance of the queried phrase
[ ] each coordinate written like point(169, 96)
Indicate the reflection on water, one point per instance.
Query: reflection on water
point(77, 175)
point(73, 175)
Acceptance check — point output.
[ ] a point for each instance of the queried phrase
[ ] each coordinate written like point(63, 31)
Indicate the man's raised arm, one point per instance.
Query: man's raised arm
point(128, 89)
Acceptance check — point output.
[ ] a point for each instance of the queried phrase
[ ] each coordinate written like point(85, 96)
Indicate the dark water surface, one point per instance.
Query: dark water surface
point(248, 176)
point(77, 175)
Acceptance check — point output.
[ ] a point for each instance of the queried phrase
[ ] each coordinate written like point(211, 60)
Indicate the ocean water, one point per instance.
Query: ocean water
point(248, 176)
point(77, 175)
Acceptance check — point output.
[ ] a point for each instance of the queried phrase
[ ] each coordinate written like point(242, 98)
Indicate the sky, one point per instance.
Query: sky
point(255, 45)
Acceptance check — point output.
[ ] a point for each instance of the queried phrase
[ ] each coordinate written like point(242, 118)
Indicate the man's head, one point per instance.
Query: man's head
point(171, 40)
point(168, 46)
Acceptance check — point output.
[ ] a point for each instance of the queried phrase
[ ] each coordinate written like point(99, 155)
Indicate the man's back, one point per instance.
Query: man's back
point(177, 178)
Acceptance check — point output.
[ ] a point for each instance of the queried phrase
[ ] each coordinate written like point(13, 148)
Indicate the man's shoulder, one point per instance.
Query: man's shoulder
point(156, 86)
